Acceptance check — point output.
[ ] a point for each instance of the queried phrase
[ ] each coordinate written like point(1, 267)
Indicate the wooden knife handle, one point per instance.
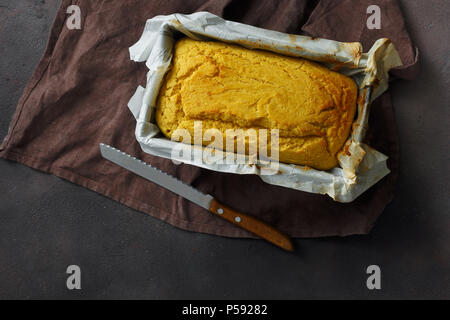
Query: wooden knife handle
point(253, 225)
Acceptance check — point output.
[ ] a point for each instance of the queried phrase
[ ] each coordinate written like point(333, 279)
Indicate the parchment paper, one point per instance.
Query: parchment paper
point(360, 165)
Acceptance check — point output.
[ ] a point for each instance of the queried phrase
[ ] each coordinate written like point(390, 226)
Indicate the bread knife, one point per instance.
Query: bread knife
point(244, 221)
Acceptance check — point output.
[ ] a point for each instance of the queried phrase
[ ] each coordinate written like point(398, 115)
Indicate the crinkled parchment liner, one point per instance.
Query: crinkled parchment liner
point(360, 166)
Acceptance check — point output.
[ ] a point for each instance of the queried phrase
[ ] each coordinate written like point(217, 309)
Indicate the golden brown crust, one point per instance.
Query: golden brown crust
point(230, 87)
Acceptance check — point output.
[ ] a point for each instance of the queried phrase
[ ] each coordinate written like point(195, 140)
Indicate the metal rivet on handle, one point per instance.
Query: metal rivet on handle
point(238, 219)
point(220, 211)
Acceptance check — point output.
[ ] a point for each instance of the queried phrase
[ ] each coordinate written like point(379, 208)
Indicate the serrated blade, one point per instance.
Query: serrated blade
point(155, 175)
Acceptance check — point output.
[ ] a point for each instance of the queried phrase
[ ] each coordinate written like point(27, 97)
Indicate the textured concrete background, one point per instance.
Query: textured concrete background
point(47, 224)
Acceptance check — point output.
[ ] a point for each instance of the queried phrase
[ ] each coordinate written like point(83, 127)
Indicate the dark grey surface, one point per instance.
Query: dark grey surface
point(47, 224)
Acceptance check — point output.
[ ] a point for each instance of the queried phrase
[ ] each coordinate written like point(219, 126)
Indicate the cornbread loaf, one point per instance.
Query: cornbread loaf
point(229, 87)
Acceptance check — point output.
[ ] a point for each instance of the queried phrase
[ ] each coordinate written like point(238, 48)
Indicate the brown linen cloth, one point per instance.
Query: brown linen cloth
point(78, 98)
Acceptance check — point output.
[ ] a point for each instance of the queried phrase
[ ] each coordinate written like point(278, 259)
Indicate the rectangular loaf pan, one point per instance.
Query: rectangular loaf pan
point(360, 166)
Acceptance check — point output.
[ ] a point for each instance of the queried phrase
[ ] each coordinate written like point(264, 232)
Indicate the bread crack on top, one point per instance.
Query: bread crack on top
point(230, 87)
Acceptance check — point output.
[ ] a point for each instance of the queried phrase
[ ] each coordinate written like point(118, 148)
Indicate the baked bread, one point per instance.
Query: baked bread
point(229, 87)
